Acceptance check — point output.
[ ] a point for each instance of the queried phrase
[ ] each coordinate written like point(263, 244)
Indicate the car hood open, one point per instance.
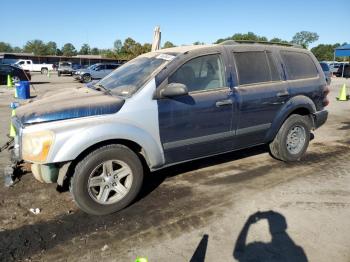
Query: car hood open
point(68, 104)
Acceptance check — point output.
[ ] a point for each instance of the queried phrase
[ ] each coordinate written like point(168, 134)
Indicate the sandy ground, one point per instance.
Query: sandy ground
point(200, 211)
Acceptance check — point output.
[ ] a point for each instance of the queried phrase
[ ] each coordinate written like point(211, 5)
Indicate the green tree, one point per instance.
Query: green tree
point(17, 49)
point(147, 47)
point(95, 51)
point(304, 38)
point(5, 47)
point(59, 52)
point(37, 47)
point(239, 36)
point(198, 43)
point(51, 48)
point(69, 50)
point(117, 45)
point(168, 44)
point(85, 50)
point(324, 52)
point(278, 40)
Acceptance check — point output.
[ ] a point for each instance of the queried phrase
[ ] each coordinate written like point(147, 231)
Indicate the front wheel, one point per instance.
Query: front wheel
point(292, 139)
point(107, 180)
point(86, 78)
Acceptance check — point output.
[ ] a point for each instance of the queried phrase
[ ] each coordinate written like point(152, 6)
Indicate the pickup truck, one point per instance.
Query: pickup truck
point(29, 65)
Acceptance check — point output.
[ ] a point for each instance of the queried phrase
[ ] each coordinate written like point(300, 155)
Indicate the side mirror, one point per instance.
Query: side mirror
point(174, 89)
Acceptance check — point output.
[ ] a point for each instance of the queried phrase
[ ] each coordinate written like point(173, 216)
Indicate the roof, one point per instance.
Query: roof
point(187, 48)
point(182, 49)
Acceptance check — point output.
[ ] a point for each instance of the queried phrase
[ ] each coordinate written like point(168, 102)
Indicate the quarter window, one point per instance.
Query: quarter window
point(201, 73)
point(256, 67)
point(299, 65)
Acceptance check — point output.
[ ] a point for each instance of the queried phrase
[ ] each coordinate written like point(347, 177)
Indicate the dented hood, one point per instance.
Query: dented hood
point(67, 104)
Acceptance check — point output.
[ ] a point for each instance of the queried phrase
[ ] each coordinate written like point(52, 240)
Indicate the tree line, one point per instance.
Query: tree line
point(130, 48)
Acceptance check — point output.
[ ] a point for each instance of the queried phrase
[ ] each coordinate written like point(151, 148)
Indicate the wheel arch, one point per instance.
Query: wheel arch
point(68, 172)
point(301, 105)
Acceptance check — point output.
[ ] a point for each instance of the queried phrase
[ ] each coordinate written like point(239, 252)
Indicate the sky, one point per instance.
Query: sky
point(99, 23)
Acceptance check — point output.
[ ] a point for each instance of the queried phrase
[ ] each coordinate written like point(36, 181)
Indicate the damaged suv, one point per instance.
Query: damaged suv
point(167, 107)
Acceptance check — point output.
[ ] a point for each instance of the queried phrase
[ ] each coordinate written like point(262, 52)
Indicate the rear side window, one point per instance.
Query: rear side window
point(299, 65)
point(256, 67)
point(111, 66)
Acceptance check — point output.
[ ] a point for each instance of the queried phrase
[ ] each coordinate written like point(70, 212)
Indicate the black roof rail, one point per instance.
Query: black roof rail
point(237, 42)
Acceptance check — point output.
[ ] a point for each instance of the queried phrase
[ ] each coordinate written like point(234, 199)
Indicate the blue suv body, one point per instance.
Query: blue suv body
point(167, 107)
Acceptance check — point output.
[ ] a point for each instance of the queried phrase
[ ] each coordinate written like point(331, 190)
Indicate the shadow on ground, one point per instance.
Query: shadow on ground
point(281, 248)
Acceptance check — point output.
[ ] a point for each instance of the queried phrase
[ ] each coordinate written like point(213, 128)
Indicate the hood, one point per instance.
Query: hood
point(84, 70)
point(68, 104)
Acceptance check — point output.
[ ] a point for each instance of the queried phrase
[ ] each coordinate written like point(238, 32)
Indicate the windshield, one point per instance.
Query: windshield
point(92, 66)
point(128, 78)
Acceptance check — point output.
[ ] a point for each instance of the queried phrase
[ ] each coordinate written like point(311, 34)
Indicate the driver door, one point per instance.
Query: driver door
point(198, 124)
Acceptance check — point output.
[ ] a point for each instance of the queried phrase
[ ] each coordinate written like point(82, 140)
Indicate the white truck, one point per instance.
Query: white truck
point(29, 65)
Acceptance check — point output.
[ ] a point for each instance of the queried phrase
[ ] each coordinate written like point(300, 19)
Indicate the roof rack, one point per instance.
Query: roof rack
point(237, 42)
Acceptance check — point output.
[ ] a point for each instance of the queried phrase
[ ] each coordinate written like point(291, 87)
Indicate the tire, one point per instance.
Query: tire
point(86, 78)
point(292, 139)
point(44, 71)
point(58, 73)
point(89, 183)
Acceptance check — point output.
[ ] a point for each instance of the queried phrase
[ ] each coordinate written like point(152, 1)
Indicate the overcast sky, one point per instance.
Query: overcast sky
point(99, 23)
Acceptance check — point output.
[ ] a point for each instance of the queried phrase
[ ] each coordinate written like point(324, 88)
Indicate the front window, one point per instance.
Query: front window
point(130, 77)
point(200, 74)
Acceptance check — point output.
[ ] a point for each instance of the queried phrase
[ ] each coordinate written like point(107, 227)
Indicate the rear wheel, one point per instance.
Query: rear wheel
point(292, 139)
point(107, 180)
point(44, 71)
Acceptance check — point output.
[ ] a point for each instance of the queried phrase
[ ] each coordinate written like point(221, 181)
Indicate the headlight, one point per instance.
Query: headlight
point(36, 146)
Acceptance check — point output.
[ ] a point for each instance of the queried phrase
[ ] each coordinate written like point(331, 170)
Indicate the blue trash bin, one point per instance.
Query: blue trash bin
point(23, 90)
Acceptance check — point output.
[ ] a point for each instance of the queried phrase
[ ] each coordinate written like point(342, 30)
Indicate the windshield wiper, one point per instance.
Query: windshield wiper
point(100, 87)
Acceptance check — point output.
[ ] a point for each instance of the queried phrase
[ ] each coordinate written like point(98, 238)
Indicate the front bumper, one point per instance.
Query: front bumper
point(320, 118)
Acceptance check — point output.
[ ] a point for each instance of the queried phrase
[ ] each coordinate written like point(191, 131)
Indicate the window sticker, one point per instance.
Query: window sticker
point(165, 57)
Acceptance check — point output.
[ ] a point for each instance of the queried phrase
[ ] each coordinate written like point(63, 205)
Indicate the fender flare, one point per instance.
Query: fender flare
point(93, 135)
point(297, 102)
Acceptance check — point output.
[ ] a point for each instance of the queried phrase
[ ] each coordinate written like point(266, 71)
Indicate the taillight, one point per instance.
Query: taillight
point(326, 90)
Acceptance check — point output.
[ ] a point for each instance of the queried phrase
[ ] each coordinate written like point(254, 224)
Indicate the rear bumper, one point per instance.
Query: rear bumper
point(320, 118)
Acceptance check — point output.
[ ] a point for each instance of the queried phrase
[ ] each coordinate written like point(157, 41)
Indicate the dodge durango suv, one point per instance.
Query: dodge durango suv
point(168, 107)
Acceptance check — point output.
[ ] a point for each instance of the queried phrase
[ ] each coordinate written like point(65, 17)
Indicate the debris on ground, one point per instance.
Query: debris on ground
point(35, 211)
point(104, 248)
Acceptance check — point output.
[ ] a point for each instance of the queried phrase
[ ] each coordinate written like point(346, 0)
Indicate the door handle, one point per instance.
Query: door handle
point(282, 94)
point(224, 102)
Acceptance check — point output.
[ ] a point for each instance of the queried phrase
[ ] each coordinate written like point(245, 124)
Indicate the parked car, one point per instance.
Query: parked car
point(17, 73)
point(168, 107)
point(96, 71)
point(67, 68)
point(343, 67)
point(29, 65)
point(334, 67)
point(327, 72)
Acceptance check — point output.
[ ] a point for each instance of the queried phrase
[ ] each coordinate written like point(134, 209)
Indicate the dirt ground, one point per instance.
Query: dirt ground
point(200, 211)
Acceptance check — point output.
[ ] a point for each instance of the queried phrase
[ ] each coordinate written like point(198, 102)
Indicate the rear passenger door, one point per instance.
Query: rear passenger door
point(261, 92)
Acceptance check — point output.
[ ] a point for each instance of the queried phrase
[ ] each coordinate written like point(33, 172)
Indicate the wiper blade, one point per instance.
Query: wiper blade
point(99, 87)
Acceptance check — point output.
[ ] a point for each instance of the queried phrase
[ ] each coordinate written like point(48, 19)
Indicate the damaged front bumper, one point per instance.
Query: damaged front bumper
point(12, 171)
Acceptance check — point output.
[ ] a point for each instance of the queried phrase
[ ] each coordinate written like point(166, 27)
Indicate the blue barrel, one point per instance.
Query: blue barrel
point(23, 90)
